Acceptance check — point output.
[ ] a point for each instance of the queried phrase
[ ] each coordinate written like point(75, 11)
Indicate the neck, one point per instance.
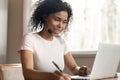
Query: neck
point(46, 35)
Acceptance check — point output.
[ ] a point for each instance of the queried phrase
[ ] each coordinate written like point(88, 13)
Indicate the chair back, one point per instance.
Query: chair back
point(11, 72)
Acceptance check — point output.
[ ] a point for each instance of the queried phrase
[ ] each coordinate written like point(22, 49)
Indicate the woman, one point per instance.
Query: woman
point(40, 50)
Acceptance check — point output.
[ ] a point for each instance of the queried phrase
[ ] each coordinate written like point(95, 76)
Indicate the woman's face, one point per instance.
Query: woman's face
point(56, 22)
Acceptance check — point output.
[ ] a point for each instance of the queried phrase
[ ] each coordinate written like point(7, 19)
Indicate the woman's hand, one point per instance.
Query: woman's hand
point(60, 76)
point(84, 71)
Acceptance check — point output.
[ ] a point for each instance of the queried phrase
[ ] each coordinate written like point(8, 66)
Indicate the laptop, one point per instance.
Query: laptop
point(105, 64)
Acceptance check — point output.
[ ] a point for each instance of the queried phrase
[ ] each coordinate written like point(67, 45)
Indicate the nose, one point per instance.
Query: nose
point(61, 25)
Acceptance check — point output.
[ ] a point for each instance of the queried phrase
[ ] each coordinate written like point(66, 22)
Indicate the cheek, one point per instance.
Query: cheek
point(51, 23)
point(54, 23)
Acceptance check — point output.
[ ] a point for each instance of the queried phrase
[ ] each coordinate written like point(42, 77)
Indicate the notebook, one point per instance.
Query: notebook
point(106, 62)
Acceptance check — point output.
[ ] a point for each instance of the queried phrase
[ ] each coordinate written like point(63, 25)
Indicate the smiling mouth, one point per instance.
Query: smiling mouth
point(57, 31)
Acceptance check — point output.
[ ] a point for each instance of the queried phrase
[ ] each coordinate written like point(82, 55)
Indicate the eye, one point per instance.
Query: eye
point(57, 19)
point(65, 22)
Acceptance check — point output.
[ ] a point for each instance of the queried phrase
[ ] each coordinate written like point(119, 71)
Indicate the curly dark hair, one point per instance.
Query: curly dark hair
point(46, 7)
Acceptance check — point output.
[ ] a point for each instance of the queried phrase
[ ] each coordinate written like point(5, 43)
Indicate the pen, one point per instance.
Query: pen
point(57, 66)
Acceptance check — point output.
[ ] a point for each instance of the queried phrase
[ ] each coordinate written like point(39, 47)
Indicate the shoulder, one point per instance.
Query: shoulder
point(30, 35)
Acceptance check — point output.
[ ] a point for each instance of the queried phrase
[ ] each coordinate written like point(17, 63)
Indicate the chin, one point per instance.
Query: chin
point(56, 34)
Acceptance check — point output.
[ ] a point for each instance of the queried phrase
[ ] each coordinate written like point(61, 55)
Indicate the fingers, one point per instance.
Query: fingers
point(66, 76)
point(62, 76)
point(83, 71)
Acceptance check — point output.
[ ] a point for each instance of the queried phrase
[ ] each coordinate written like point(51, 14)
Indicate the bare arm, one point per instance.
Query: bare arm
point(31, 74)
point(71, 64)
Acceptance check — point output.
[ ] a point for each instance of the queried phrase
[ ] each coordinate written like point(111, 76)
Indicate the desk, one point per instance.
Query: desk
point(118, 78)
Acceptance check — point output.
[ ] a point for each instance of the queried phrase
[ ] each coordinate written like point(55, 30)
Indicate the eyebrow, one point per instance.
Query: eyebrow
point(61, 18)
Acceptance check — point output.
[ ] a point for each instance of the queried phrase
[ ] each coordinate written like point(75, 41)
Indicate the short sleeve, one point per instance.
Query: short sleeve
point(27, 42)
point(66, 50)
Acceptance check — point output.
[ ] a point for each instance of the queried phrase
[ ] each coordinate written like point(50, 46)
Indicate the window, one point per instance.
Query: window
point(94, 21)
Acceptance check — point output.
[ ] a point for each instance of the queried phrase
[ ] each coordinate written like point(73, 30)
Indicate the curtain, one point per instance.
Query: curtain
point(94, 21)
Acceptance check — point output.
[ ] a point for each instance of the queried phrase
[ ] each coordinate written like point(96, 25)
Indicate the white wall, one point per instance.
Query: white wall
point(3, 30)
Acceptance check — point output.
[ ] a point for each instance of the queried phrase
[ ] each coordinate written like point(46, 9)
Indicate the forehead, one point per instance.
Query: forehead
point(61, 14)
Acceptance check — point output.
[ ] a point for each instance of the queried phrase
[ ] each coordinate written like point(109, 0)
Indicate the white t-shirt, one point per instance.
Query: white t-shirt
point(44, 51)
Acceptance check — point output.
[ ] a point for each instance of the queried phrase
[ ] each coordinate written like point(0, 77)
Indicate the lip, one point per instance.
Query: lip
point(57, 31)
